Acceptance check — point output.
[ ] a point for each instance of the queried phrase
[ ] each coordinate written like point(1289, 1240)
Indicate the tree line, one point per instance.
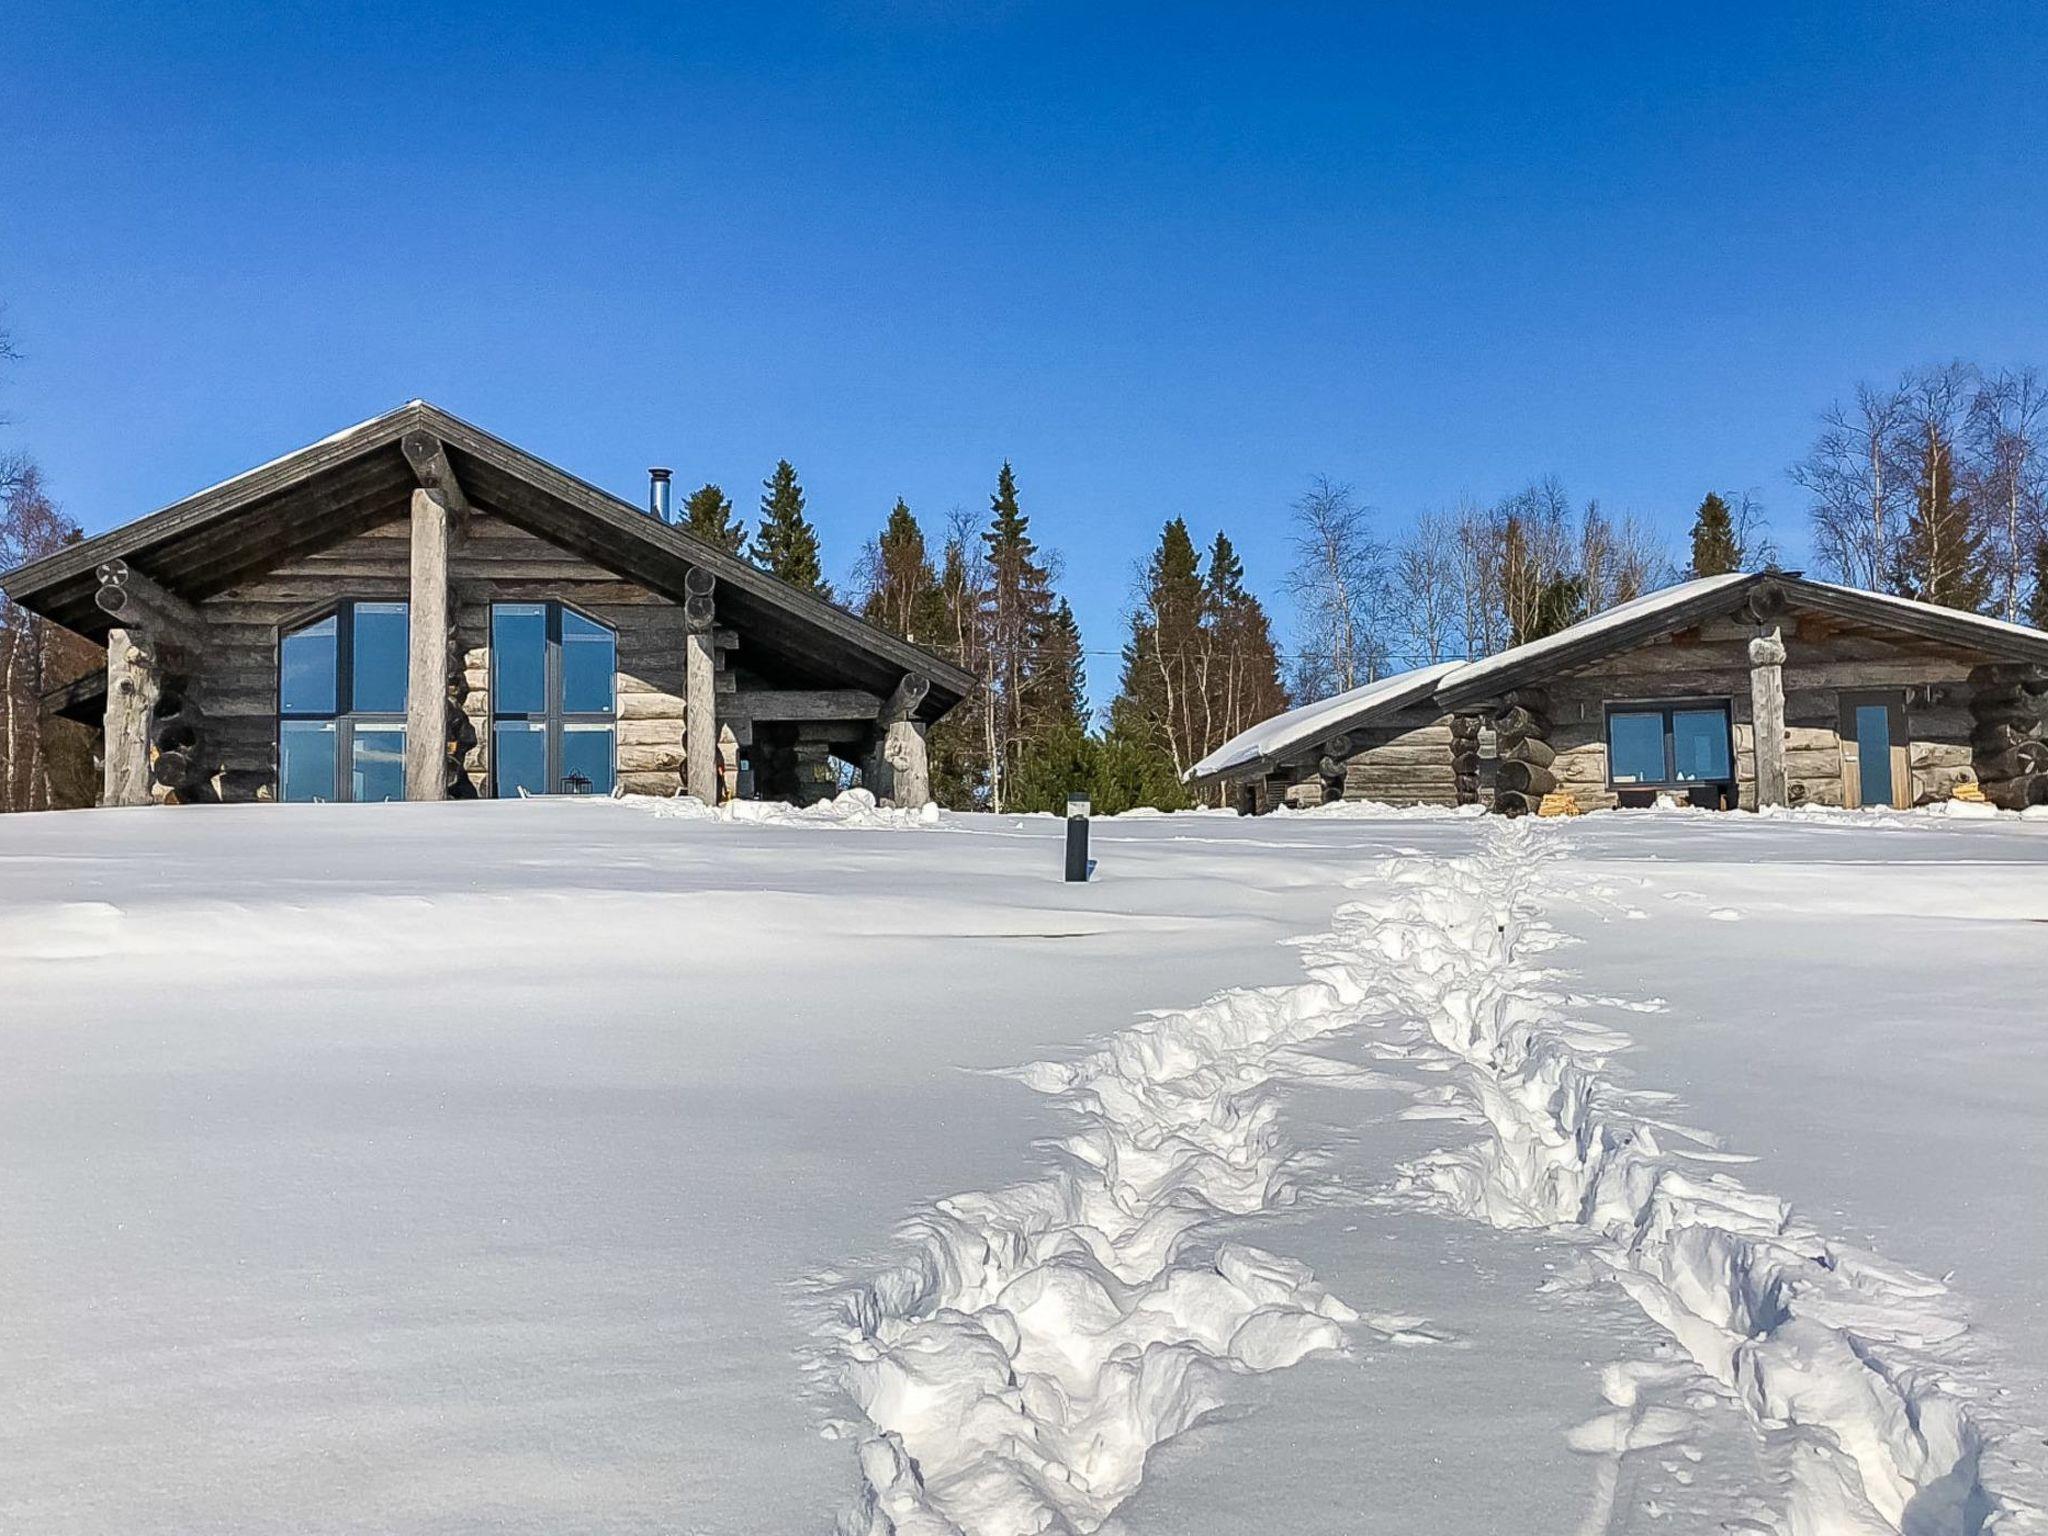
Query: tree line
point(1933, 487)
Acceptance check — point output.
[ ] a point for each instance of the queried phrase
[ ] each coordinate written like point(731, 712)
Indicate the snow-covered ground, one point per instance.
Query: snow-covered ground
point(592, 1167)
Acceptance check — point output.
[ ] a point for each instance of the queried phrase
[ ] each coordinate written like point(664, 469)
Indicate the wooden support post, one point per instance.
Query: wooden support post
point(134, 681)
point(426, 687)
point(898, 767)
point(700, 692)
point(1767, 714)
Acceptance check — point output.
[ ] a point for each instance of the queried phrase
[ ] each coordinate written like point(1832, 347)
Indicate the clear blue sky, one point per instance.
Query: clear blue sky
point(1169, 260)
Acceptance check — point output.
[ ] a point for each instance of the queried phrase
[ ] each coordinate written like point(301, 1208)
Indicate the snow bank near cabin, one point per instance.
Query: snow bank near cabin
point(851, 808)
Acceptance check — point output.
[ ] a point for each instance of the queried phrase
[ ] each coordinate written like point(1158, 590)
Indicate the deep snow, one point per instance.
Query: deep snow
point(603, 1166)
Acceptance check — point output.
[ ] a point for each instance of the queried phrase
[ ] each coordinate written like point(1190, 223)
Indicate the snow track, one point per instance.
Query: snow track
point(1041, 1339)
point(1849, 1366)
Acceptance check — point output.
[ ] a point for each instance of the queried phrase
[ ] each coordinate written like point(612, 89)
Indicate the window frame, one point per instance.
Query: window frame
point(344, 716)
point(553, 717)
point(1668, 708)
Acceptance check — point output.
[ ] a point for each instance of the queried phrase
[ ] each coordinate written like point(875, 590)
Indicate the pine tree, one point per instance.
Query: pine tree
point(1716, 550)
point(902, 589)
point(1941, 559)
point(786, 545)
point(708, 514)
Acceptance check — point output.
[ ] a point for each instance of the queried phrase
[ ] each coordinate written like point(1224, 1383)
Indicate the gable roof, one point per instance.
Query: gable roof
point(1762, 593)
point(348, 482)
point(1271, 742)
point(1463, 685)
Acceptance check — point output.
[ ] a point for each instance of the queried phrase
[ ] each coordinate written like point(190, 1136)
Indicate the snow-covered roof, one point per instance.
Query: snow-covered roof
point(1651, 607)
point(1455, 685)
point(1312, 723)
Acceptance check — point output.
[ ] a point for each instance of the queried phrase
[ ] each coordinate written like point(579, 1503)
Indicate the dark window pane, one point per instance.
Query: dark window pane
point(1874, 753)
point(1699, 740)
point(305, 760)
point(590, 662)
point(586, 760)
point(1635, 748)
point(519, 652)
point(380, 763)
point(519, 758)
point(378, 667)
point(305, 665)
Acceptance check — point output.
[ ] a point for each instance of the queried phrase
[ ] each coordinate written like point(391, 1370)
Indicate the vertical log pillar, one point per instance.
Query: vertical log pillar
point(134, 683)
point(1767, 715)
point(700, 697)
point(426, 685)
point(898, 767)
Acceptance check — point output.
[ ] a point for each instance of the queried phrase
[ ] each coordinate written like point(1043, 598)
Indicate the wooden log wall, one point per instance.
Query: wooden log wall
point(1712, 662)
point(1407, 760)
point(2006, 747)
point(490, 561)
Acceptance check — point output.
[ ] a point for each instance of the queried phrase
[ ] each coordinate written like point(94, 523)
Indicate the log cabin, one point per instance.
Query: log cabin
point(415, 609)
point(1727, 692)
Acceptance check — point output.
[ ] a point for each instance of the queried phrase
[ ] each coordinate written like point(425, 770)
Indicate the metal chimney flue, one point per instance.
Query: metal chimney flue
point(657, 494)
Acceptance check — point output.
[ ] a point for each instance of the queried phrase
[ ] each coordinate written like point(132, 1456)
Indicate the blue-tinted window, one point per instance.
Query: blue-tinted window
point(519, 758)
point(379, 768)
point(341, 689)
point(378, 659)
point(587, 759)
point(554, 691)
point(1635, 747)
point(590, 665)
point(519, 658)
point(307, 682)
point(305, 760)
point(1700, 745)
point(1874, 753)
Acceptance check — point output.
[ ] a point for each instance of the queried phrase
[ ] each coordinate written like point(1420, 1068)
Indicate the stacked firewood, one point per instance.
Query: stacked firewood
point(2006, 746)
point(1523, 731)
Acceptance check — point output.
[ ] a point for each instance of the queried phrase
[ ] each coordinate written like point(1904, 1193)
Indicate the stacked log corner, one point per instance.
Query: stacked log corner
point(181, 766)
point(2006, 746)
point(1465, 757)
point(1525, 776)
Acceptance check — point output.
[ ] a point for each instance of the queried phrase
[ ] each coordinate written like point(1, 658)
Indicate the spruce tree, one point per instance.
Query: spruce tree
point(1245, 680)
point(785, 544)
point(1716, 550)
point(903, 594)
point(2037, 606)
point(1017, 614)
point(1163, 703)
point(1942, 559)
point(708, 514)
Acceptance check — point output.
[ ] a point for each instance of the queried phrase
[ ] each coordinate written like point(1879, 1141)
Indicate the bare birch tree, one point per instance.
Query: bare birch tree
point(1859, 495)
point(1428, 600)
point(1339, 588)
point(2008, 470)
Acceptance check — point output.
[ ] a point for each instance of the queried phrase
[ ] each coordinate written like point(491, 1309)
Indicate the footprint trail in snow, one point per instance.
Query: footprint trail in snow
point(1040, 1340)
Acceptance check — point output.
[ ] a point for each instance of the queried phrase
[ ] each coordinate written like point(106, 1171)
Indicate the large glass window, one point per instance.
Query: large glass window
point(341, 705)
point(1677, 744)
point(554, 701)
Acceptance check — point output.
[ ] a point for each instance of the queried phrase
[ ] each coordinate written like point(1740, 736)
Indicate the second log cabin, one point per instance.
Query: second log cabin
point(1727, 692)
point(415, 609)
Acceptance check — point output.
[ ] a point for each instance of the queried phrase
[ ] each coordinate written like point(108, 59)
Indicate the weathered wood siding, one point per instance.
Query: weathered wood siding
point(1712, 662)
point(1404, 761)
point(495, 562)
point(492, 561)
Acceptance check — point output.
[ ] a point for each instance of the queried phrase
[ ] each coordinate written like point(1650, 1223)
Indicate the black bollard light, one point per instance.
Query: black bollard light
point(1077, 837)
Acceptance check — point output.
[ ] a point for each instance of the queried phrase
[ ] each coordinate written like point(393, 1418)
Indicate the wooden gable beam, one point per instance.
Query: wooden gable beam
point(429, 461)
point(139, 605)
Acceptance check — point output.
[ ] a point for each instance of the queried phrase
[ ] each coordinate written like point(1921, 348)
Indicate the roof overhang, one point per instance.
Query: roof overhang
point(1304, 731)
point(344, 484)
